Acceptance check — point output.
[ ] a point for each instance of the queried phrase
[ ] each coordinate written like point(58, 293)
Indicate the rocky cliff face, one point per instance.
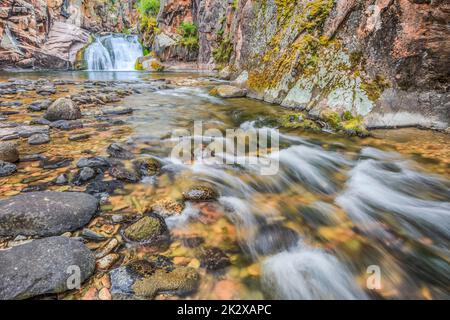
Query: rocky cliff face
point(384, 60)
point(48, 33)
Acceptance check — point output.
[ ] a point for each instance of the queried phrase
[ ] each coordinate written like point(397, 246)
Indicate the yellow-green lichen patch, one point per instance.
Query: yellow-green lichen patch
point(375, 87)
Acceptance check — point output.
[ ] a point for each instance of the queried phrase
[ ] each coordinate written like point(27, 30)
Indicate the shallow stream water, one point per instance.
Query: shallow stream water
point(338, 207)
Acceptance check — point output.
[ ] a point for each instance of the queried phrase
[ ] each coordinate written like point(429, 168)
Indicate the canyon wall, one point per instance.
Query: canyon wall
point(49, 33)
point(386, 60)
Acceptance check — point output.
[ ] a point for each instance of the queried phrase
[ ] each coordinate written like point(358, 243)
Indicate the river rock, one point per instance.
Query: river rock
point(67, 124)
point(42, 266)
point(46, 90)
point(38, 138)
point(103, 187)
point(117, 111)
point(151, 229)
point(226, 91)
point(200, 193)
point(7, 168)
point(167, 207)
point(39, 105)
point(180, 281)
point(272, 239)
point(121, 173)
point(213, 259)
point(93, 162)
point(84, 175)
point(8, 152)
point(115, 150)
point(45, 213)
point(147, 166)
point(63, 109)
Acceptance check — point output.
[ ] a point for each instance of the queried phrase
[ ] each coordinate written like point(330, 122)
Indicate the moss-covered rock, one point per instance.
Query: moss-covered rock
point(332, 118)
point(167, 207)
point(180, 281)
point(298, 120)
point(213, 259)
point(150, 229)
point(200, 193)
point(226, 91)
point(147, 166)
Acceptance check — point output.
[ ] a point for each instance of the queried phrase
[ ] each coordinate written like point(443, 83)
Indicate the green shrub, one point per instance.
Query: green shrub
point(149, 7)
point(189, 35)
point(222, 54)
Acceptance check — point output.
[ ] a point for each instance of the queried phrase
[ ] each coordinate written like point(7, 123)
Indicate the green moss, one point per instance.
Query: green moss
point(222, 54)
point(347, 115)
point(355, 126)
point(297, 120)
point(138, 65)
point(145, 228)
point(332, 118)
point(375, 87)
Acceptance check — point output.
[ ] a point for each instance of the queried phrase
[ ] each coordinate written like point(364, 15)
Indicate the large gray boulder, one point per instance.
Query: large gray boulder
point(63, 109)
point(43, 266)
point(45, 213)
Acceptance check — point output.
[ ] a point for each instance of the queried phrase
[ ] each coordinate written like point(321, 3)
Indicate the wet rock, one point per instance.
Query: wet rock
point(93, 162)
point(106, 187)
point(42, 266)
point(62, 179)
point(150, 229)
point(200, 193)
point(35, 188)
point(117, 111)
point(107, 261)
point(45, 213)
point(167, 207)
point(10, 104)
point(8, 152)
point(143, 268)
point(39, 105)
point(7, 168)
point(79, 137)
point(117, 151)
point(40, 121)
point(122, 280)
point(55, 163)
point(226, 91)
point(92, 235)
point(147, 166)
point(162, 262)
point(84, 175)
point(66, 124)
point(213, 259)
point(38, 138)
point(32, 157)
point(63, 109)
point(180, 281)
point(46, 90)
point(121, 173)
point(275, 238)
point(192, 242)
point(107, 248)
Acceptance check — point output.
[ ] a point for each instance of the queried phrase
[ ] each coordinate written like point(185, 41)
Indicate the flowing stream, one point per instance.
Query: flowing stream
point(113, 53)
point(336, 208)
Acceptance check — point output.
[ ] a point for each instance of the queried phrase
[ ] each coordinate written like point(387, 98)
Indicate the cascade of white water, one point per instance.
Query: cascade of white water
point(113, 53)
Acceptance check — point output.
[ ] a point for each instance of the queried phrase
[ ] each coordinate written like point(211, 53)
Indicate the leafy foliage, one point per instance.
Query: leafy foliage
point(189, 35)
point(149, 7)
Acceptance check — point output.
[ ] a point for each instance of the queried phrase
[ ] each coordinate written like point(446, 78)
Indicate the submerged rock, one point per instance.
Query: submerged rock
point(9, 152)
point(108, 187)
point(226, 91)
point(67, 124)
point(38, 138)
point(121, 173)
point(54, 163)
point(43, 266)
point(214, 259)
point(39, 105)
point(272, 239)
point(117, 111)
point(115, 150)
point(147, 166)
point(93, 162)
point(180, 281)
point(200, 193)
point(7, 168)
point(151, 229)
point(167, 207)
point(45, 213)
point(63, 109)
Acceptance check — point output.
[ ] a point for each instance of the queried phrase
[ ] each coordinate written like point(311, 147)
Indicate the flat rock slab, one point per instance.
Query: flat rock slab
point(45, 213)
point(43, 266)
point(23, 131)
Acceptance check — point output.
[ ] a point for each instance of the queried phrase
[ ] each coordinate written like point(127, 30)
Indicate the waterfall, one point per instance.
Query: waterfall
point(113, 53)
